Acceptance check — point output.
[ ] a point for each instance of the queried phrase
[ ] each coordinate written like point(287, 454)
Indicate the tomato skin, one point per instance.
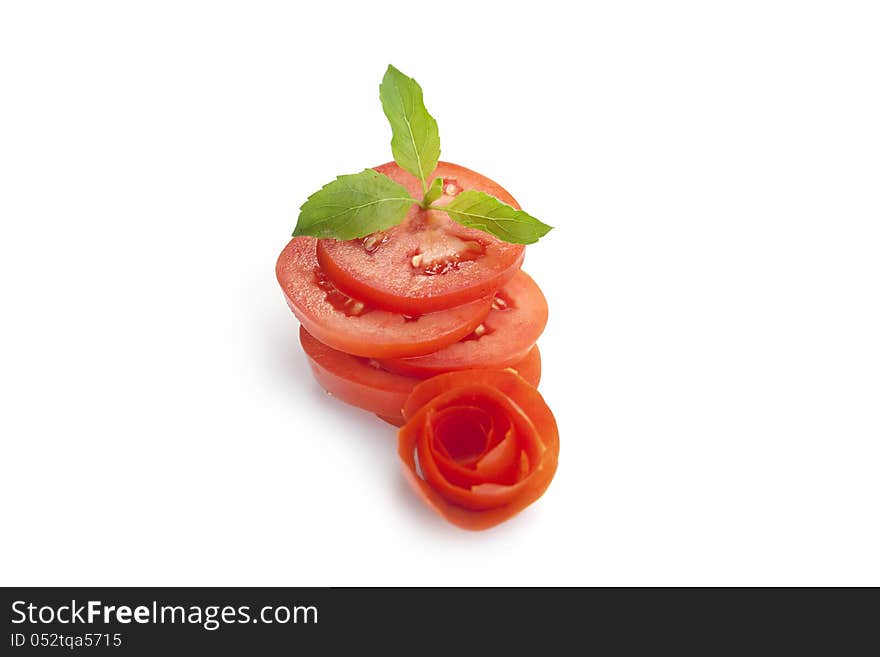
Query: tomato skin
point(513, 330)
point(529, 368)
point(387, 278)
point(393, 421)
point(355, 381)
point(486, 445)
point(375, 333)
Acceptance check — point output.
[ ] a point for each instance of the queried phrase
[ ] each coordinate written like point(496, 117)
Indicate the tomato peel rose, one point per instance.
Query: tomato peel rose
point(479, 446)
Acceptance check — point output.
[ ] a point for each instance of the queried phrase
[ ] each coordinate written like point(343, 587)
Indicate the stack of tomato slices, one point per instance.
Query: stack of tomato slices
point(383, 313)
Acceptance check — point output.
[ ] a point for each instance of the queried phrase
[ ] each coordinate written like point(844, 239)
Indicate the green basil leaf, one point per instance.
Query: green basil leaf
point(435, 191)
point(415, 139)
point(354, 206)
point(480, 210)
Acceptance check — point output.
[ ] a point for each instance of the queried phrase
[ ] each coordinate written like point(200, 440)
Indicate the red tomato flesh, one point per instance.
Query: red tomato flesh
point(517, 318)
point(363, 383)
point(429, 262)
point(355, 327)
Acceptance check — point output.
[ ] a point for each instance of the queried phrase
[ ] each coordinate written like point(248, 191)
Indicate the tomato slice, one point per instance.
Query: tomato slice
point(517, 318)
point(429, 262)
point(357, 328)
point(357, 381)
point(363, 383)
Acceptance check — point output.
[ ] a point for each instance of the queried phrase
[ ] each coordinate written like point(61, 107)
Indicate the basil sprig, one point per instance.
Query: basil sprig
point(356, 205)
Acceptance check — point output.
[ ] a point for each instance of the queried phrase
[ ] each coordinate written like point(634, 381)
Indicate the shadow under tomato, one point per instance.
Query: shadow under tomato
point(284, 356)
point(416, 509)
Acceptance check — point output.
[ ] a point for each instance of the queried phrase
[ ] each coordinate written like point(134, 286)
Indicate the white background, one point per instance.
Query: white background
point(713, 351)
